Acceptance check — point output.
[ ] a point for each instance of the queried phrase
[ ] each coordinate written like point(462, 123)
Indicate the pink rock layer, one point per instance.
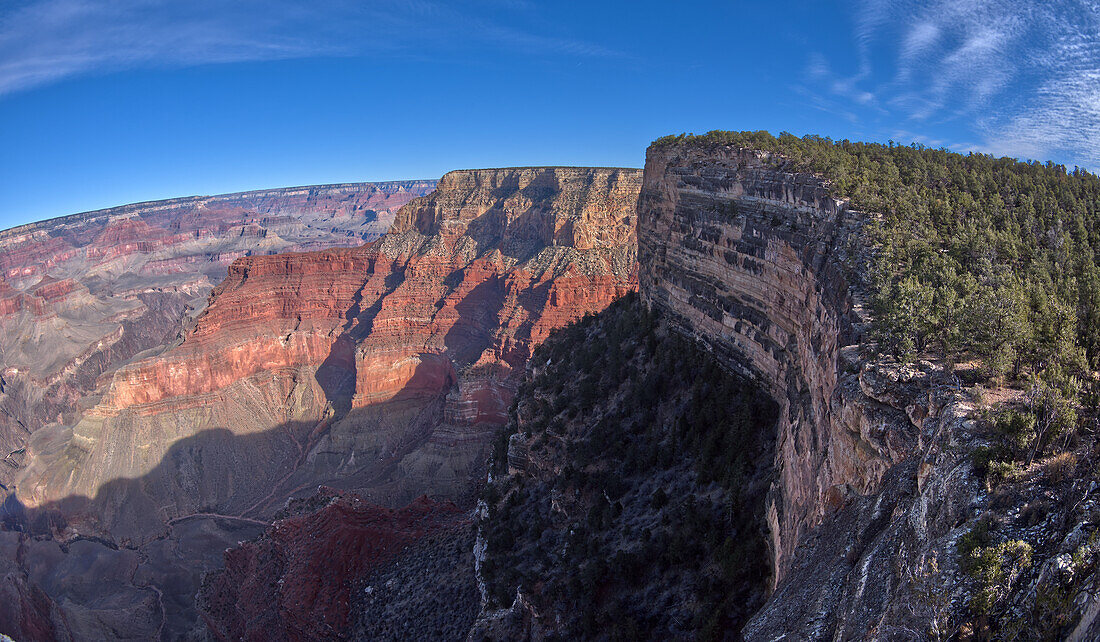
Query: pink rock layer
point(82, 294)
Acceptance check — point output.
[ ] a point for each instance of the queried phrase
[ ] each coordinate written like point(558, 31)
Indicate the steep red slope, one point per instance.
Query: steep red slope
point(295, 582)
point(487, 265)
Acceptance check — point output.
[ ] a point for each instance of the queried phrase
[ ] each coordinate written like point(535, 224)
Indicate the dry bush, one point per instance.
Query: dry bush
point(1060, 467)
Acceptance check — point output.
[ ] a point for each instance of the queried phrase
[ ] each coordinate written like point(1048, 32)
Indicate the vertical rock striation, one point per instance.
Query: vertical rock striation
point(750, 259)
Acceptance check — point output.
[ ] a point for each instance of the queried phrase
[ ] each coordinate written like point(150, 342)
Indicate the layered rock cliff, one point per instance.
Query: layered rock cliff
point(871, 485)
point(384, 368)
point(751, 260)
point(878, 519)
point(643, 485)
point(83, 294)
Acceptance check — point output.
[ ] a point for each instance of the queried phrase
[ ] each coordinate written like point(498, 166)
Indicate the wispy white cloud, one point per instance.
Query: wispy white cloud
point(1061, 116)
point(1022, 76)
point(920, 38)
point(43, 41)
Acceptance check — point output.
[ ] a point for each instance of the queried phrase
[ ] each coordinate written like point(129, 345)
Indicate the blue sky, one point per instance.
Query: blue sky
point(105, 103)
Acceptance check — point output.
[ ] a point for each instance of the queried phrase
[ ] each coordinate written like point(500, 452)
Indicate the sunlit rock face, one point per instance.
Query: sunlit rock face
point(83, 294)
point(753, 260)
point(384, 367)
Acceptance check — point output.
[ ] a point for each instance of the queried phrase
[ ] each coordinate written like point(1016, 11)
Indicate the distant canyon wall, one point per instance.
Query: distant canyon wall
point(82, 294)
point(386, 366)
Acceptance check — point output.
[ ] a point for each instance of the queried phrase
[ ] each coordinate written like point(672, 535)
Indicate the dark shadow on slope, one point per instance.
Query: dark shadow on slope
point(150, 538)
point(634, 484)
point(478, 320)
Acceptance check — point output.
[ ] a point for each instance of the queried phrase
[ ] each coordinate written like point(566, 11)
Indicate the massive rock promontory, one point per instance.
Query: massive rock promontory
point(876, 496)
point(872, 483)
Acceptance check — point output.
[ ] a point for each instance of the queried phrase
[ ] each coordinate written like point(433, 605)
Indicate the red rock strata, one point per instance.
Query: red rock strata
point(82, 294)
point(295, 581)
point(463, 273)
point(383, 369)
point(442, 311)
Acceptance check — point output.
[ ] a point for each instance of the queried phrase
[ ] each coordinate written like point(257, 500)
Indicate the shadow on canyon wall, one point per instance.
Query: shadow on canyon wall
point(337, 373)
point(146, 542)
point(220, 473)
point(533, 230)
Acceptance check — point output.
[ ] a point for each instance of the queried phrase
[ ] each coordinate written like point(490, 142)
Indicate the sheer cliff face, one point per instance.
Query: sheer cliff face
point(749, 259)
point(385, 367)
point(81, 295)
point(874, 482)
